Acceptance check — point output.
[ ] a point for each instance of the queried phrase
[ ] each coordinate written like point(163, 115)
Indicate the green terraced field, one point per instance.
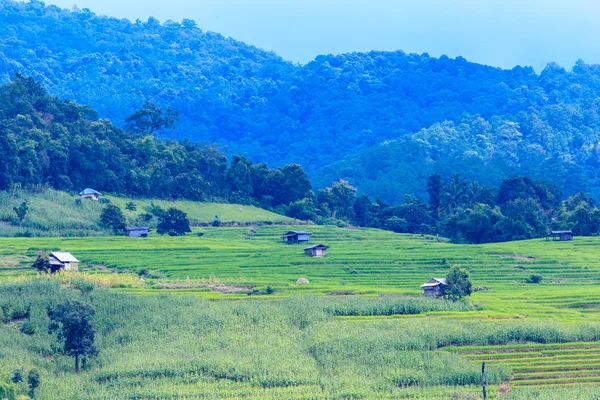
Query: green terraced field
point(548, 332)
point(542, 364)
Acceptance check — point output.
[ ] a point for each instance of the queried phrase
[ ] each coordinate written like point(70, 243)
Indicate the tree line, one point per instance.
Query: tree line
point(466, 212)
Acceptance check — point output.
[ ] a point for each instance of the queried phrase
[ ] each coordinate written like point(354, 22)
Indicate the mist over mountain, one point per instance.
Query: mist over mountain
point(383, 120)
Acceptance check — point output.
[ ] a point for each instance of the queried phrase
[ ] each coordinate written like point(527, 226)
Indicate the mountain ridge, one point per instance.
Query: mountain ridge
point(319, 114)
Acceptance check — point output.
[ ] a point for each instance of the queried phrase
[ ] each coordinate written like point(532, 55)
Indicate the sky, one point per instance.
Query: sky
point(502, 33)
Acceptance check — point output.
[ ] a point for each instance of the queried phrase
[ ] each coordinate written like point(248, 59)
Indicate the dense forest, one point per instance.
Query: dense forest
point(48, 142)
point(45, 141)
point(384, 121)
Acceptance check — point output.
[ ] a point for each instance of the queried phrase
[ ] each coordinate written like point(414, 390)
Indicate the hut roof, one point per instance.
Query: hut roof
point(89, 191)
point(137, 228)
point(317, 246)
point(63, 256)
point(434, 282)
point(561, 232)
point(293, 233)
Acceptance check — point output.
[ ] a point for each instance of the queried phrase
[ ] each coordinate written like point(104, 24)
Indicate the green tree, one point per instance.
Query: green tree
point(302, 209)
point(112, 218)
point(130, 206)
point(21, 212)
point(434, 189)
point(458, 284)
point(454, 196)
point(151, 119)
point(363, 211)
point(17, 376)
point(173, 222)
point(72, 322)
point(42, 264)
point(33, 381)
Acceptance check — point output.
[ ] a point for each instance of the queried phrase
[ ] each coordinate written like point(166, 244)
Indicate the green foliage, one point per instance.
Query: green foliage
point(21, 212)
point(42, 264)
point(87, 152)
point(17, 376)
point(535, 278)
point(33, 381)
point(173, 222)
point(130, 206)
point(27, 328)
point(151, 119)
point(7, 391)
point(458, 284)
point(112, 218)
point(72, 321)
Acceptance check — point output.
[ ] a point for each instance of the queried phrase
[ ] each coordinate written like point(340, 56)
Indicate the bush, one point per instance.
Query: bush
point(27, 328)
point(535, 278)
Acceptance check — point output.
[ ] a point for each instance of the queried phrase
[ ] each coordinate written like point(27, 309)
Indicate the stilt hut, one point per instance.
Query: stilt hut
point(435, 287)
point(295, 237)
point(318, 250)
point(560, 236)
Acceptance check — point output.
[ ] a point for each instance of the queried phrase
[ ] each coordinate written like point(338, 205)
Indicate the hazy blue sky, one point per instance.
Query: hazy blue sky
point(496, 32)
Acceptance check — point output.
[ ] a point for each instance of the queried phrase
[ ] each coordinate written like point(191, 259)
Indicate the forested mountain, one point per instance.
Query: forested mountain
point(45, 141)
point(384, 121)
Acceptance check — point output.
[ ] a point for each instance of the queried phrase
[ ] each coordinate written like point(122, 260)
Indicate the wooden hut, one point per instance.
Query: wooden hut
point(560, 236)
point(294, 237)
point(63, 260)
point(318, 250)
point(90, 194)
point(137, 231)
point(435, 287)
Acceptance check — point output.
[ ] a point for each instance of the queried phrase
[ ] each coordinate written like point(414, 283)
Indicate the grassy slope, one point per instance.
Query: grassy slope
point(54, 213)
point(205, 212)
point(563, 308)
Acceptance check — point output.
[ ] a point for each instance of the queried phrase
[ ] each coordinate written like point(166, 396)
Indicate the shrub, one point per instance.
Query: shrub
point(27, 328)
point(17, 376)
point(535, 278)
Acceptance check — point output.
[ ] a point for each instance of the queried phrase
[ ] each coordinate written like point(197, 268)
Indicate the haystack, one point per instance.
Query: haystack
point(302, 281)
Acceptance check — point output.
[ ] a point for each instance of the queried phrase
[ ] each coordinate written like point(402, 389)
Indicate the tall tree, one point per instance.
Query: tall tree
point(458, 284)
point(151, 119)
point(21, 212)
point(173, 222)
point(72, 322)
point(434, 189)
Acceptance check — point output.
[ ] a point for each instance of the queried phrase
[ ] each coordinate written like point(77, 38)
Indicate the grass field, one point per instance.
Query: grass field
point(55, 213)
point(541, 341)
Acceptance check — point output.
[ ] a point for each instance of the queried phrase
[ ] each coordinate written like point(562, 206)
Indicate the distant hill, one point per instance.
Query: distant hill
point(384, 120)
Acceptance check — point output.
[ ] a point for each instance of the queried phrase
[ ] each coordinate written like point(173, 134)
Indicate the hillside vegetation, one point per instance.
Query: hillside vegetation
point(383, 120)
point(333, 337)
point(55, 213)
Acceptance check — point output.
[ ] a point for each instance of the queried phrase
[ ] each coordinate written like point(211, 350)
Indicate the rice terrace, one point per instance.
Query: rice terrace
point(201, 322)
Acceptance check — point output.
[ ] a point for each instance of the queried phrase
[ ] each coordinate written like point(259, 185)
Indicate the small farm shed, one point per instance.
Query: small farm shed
point(90, 194)
point(293, 237)
point(560, 236)
point(435, 287)
point(318, 250)
point(137, 231)
point(63, 260)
